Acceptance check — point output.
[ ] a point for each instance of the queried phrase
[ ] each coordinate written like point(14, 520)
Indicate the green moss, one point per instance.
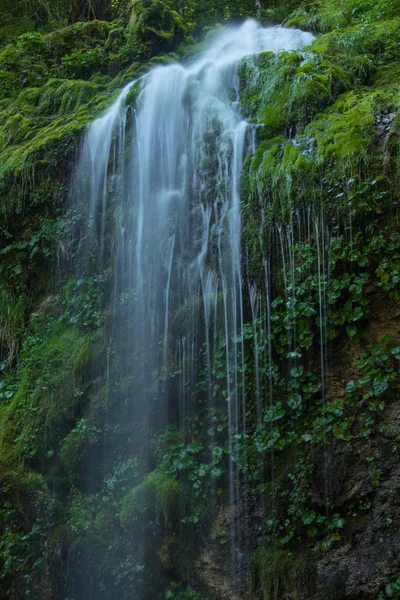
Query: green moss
point(73, 448)
point(81, 35)
point(29, 97)
point(24, 163)
point(278, 574)
point(337, 133)
point(283, 175)
point(16, 130)
point(285, 91)
point(61, 96)
point(335, 14)
point(88, 356)
point(133, 95)
point(45, 396)
point(156, 25)
point(345, 134)
point(159, 492)
point(12, 318)
point(8, 84)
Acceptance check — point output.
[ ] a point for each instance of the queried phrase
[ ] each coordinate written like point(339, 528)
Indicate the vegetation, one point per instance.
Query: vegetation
point(321, 361)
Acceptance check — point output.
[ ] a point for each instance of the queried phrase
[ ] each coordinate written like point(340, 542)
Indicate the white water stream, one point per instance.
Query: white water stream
point(174, 177)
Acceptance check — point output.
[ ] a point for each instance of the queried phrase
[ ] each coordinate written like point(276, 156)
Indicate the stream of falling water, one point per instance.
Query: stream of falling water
point(166, 179)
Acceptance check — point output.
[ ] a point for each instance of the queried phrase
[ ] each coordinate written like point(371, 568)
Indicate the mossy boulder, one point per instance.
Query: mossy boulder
point(157, 495)
point(157, 26)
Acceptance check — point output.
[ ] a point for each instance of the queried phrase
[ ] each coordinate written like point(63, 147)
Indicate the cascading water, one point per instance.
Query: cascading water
point(165, 179)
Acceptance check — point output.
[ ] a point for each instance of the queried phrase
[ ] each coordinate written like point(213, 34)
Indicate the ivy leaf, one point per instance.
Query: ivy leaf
point(396, 352)
point(295, 402)
point(358, 313)
point(308, 517)
point(381, 384)
point(351, 387)
point(351, 331)
point(297, 371)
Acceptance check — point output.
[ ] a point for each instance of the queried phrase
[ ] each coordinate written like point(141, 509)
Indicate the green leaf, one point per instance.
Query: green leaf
point(351, 387)
point(297, 371)
point(308, 517)
point(351, 331)
point(295, 401)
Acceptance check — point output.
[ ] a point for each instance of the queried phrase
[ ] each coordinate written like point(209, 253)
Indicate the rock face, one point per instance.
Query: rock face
point(358, 479)
point(212, 565)
point(368, 556)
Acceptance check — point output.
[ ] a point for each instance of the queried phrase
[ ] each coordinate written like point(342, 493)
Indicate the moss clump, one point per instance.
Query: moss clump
point(133, 95)
point(16, 130)
point(8, 84)
point(29, 98)
point(12, 318)
point(332, 123)
point(74, 446)
point(345, 133)
point(45, 396)
point(159, 493)
point(60, 96)
point(278, 574)
point(156, 26)
point(282, 176)
point(284, 92)
point(90, 352)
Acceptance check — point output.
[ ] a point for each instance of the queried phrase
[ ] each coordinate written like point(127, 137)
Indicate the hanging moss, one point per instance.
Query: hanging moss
point(8, 84)
point(74, 446)
point(279, 574)
point(159, 492)
point(63, 96)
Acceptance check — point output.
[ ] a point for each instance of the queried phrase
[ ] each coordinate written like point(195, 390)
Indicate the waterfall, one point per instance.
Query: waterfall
point(164, 177)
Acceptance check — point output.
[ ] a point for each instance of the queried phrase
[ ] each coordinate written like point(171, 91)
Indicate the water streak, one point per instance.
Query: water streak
point(169, 176)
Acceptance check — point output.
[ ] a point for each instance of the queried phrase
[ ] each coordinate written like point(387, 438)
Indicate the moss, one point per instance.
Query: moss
point(336, 14)
point(265, 88)
point(8, 84)
point(159, 492)
point(89, 355)
point(278, 574)
point(61, 96)
point(345, 134)
point(29, 97)
point(16, 130)
point(23, 164)
point(336, 134)
point(116, 38)
point(74, 446)
point(82, 34)
point(12, 319)
point(133, 95)
point(286, 91)
point(281, 176)
point(44, 398)
point(157, 26)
